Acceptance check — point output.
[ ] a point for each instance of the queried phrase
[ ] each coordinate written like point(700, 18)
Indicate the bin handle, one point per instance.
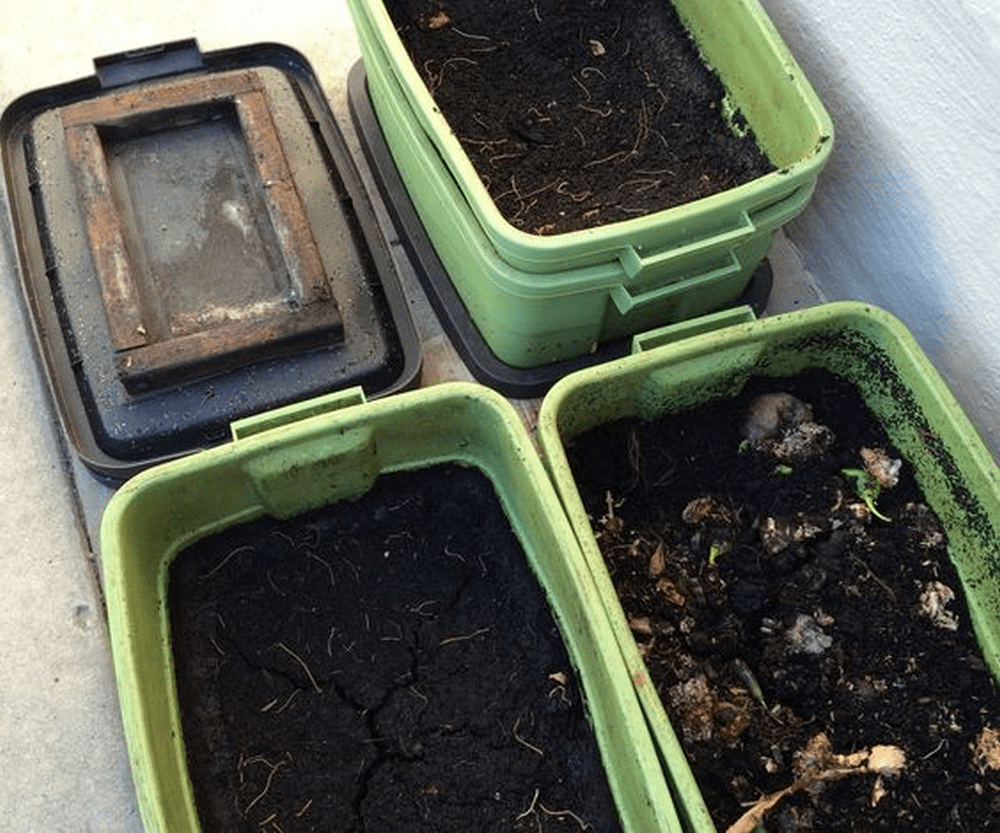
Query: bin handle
point(671, 333)
point(296, 412)
point(635, 263)
point(627, 302)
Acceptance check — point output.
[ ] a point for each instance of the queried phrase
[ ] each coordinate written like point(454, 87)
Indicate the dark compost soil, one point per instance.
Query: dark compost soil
point(384, 664)
point(736, 570)
point(577, 113)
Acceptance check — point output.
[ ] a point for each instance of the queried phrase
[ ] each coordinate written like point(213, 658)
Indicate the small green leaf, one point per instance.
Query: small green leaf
point(868, 489)
point(783, 470)
point(750, 681)
point(714, 552)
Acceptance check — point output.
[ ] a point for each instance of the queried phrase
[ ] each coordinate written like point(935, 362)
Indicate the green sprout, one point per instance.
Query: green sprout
point(868, 489)
point(783, 470)
point(714, 552)
point(750, 681)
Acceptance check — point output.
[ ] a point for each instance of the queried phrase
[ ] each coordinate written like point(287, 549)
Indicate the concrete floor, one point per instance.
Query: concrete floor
point(64, 758)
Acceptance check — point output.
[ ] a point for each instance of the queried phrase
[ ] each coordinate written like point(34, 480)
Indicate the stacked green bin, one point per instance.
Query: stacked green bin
point(540, 299)
point(311, 454)
point(696, 362)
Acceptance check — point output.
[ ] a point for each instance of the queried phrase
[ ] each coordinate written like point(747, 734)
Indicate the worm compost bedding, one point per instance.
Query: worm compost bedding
point(815, 660)
point(383, 664)
point(578, 113)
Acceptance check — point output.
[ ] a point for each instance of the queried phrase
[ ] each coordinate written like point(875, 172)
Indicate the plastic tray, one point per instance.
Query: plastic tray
point(314, 453)
point(693, 363)
point(538, 299)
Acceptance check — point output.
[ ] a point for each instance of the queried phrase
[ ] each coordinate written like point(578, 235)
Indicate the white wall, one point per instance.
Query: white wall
point(906, 216)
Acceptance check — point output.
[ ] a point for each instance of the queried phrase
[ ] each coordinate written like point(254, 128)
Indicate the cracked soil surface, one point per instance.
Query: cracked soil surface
point(579, 114)
point(384, 664)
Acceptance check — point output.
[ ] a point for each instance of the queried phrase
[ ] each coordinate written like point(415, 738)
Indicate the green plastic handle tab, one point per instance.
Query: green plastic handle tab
point(627, 302)
point(694, 327)
point(296, 412)
point(636, 262)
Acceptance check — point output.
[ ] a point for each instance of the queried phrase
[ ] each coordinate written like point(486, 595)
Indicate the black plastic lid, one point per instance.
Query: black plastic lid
point(196, 246)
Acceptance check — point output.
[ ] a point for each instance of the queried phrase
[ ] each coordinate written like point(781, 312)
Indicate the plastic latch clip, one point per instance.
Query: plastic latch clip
point(135, 65)
point(672, 333)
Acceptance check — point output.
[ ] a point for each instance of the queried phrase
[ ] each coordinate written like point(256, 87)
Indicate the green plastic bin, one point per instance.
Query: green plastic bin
point(317, 452)
point(539, 299)
point(692, 363)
